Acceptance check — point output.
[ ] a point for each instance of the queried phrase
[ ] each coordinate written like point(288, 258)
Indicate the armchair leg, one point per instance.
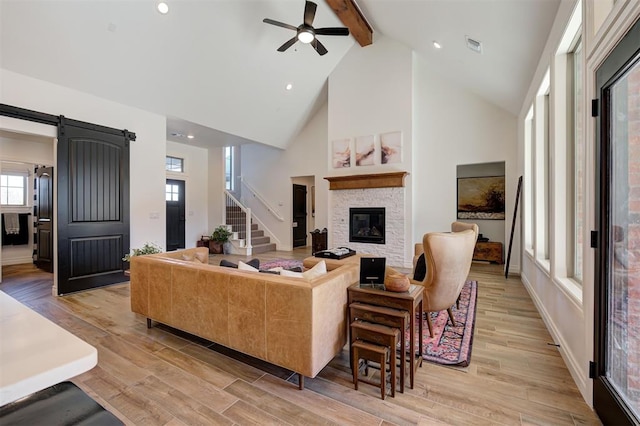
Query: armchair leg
point(149, 323)
point(429, 324)
point(453, 321)
point(300, 381)
point(458, 302)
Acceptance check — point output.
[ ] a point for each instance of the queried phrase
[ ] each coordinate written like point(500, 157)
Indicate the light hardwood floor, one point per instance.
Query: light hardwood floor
point(160, 377)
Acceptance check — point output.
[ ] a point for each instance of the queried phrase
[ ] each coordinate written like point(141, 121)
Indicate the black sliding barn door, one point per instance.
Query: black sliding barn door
point(93, 207)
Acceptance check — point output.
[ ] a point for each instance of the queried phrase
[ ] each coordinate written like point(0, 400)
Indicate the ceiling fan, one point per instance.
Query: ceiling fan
point(305, 31)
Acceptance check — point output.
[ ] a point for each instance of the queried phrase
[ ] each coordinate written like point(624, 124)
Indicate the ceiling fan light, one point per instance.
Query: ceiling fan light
point(163, 7)
point(305, 36)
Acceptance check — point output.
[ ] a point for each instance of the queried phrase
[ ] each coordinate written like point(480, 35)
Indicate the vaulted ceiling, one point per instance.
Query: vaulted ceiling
point(212, 68)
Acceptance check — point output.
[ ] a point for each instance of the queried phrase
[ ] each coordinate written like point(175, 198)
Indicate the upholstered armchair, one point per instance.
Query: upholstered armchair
point(448, 258)
point(418, 249)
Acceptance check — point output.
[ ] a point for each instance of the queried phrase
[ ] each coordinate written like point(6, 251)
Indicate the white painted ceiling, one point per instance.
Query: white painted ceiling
point(212, 68)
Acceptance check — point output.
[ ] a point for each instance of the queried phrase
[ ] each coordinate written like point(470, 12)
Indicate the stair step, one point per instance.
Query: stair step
point(263, 248)
point(260, 240)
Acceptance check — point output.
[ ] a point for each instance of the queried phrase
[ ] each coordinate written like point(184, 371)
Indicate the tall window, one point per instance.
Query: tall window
point(229, 172)
point(578, 158)
point(175, 164)
point(13, 190)
point(528, 181)
point(542, 172)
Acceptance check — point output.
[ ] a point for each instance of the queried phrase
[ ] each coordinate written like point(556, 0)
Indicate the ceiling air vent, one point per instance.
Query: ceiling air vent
point(474, 45)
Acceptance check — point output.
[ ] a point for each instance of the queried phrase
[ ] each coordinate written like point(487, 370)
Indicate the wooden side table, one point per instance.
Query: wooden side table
point(410, 301)
point(488, 250)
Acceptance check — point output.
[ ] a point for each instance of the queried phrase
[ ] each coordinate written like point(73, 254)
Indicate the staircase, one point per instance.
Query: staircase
point(236, 218)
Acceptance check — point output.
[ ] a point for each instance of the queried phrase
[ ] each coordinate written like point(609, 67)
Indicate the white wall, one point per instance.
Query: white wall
point(270, 172)
point(196, 188)
point(451, 127)
point(147, 154)
point(370, 93)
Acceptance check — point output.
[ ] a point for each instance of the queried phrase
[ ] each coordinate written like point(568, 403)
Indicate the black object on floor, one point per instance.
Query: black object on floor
point(63, 404)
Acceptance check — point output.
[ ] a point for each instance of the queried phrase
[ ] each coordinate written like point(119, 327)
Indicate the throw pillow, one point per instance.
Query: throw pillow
point(255, 263)
point(228, 264)
point(202, 257)
point(318, 270)
point(187, 257)
point(246, 267)
point(421, 269)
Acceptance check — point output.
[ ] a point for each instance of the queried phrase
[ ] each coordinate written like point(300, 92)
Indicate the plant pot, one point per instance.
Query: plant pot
point(216, 247)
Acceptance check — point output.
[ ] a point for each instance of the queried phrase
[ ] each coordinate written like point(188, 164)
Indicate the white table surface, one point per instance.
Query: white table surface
point(36, 353)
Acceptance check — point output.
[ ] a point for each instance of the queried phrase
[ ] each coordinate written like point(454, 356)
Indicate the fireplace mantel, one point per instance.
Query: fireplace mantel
point(378, 180)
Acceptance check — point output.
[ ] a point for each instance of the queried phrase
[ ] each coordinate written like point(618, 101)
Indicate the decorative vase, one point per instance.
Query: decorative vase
point(397, 283)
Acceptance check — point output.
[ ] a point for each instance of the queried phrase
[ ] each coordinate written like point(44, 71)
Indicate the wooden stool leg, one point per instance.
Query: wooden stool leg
point(354, 366)
point(383, 374)
point(392, 365)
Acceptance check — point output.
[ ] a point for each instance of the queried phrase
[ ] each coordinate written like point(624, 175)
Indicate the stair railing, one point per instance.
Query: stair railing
point(255, 194)
point(239, 219)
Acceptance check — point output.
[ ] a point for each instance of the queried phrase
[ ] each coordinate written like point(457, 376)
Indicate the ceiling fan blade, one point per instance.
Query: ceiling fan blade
point(309, 12)
point(288, 44)
point(334, 31)
point(279, 24)
point(319, 47)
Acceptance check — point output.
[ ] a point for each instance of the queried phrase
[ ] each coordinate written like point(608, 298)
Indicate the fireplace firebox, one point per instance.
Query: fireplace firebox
point(366, 225)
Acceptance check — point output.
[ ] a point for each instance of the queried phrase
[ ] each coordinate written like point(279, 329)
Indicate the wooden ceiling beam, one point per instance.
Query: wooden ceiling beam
point(351, 16)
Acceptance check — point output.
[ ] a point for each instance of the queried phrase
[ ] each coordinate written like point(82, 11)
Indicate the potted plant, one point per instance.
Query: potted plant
point(219, 237)
point(147, 248)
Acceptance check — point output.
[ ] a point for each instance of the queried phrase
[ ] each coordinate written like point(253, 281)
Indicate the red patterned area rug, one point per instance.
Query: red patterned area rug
point(282, 263)
point(452, 345)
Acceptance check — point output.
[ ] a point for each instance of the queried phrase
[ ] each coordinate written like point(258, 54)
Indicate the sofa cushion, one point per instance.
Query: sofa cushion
point(318, 270)
point(253, 262)
point(246, 267)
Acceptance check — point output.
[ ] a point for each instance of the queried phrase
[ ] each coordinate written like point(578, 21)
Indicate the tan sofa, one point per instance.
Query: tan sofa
point(291, 322)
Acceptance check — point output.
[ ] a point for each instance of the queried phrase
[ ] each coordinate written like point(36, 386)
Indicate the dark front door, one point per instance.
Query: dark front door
point(44, 221)
point(175, 214)
point(299, 215)
point(616, 370)
point(93, 207)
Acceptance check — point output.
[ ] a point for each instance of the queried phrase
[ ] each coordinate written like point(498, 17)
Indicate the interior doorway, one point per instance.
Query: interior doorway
point(23, 146)
point(302, 210)
point(299, 215)
point(175, 200)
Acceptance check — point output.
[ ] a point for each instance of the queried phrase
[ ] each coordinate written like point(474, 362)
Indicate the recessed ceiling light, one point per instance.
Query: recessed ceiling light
point(190, 136)
point(289, 86)
point(163, 7)
point(437, 45)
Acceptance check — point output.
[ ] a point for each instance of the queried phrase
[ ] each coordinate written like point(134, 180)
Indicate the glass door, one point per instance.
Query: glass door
point(617, 299)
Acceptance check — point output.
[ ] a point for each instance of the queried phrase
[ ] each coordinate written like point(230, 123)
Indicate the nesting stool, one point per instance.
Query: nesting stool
point(396, 318)
point(370, 352)
point(377, 334)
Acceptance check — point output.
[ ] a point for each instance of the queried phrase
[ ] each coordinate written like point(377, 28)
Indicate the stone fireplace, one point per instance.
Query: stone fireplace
point(361, 193)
